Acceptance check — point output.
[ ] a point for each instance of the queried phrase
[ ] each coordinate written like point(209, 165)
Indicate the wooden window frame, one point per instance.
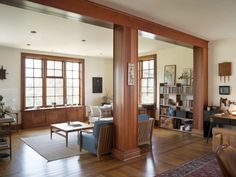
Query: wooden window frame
point(140, 60)
point(45, 58)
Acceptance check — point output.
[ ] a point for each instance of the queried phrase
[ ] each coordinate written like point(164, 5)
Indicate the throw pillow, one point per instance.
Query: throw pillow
point(106, 112)
point(171, 111)
point(95, 111)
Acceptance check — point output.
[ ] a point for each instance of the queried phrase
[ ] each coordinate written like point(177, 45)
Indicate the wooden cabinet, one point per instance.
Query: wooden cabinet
point(56, 116)
point(47, 116)
point(75, 114)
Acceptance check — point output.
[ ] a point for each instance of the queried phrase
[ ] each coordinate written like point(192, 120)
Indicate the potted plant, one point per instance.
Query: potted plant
point(185, 77)
point(4, 109)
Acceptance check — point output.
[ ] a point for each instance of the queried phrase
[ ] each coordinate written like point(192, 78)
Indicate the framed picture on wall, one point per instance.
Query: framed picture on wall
point(224, 90)
point(97, 84)
point(170, 74)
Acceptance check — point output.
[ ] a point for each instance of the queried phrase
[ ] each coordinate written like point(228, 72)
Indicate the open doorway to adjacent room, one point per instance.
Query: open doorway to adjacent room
point(165, 75)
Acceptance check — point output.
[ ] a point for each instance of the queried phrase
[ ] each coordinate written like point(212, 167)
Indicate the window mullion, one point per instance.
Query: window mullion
point(44, 70)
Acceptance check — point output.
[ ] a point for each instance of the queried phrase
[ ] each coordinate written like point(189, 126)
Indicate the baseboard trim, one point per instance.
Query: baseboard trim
point(197, 132)
point(126, 155)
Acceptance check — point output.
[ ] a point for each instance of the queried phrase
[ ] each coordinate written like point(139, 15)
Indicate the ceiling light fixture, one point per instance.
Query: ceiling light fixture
point(28, 44)
point(33, 32)
point(83, 40)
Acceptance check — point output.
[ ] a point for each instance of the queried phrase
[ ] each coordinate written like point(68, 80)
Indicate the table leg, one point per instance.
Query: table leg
point(51, 132)
point(210, 129)
point(17, 126)
point(66, 139)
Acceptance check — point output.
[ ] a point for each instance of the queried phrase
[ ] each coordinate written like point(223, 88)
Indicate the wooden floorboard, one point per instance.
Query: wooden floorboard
point(170, 149)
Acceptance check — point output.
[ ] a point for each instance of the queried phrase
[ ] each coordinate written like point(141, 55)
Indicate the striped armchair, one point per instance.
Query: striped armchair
point(145, 129)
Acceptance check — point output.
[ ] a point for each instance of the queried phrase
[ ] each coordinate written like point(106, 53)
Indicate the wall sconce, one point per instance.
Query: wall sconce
point(3, 73)
point(224, 70)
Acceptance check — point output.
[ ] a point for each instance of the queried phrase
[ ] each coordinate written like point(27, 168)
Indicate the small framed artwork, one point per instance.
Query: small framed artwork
point(131, 78)
point(170, 74)
point(224, 90)
point(97, 84)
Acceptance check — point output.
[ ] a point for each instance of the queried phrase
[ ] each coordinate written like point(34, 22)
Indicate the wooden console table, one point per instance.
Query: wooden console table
point(220, 117)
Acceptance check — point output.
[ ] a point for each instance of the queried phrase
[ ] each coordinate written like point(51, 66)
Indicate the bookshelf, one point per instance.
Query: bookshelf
point(175, 106)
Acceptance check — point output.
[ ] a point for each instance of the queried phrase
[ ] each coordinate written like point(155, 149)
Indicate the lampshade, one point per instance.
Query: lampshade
point(232, 109)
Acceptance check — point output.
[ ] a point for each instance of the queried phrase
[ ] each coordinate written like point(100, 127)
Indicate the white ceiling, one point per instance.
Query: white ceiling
point(60, 35)
point(208, 19)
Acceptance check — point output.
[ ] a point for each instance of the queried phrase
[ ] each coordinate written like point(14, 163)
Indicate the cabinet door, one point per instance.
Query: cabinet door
point(27, 119)
point(55, 116)
point(38, 119)
point(33, 119)
point(75, 114)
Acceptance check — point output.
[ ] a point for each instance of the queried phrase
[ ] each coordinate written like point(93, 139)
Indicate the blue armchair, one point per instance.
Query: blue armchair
point(100, 140)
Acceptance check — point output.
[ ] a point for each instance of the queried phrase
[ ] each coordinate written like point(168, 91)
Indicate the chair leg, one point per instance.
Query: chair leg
point(81, 141)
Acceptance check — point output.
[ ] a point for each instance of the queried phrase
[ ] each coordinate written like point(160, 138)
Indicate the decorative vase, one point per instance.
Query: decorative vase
point(184, 81)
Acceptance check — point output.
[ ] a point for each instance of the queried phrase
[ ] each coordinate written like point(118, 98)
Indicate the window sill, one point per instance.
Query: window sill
point(52, 108)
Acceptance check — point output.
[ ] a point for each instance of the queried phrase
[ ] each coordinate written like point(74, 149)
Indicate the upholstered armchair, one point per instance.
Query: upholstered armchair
point(145, 129)
point(100, 140)
point(224, 144)
point(223, 136)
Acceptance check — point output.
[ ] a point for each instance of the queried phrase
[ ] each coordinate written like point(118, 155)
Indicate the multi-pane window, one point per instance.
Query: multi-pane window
point(33, 82)
point(51, 81)
point(72, 82)
point(147, 80)
point(54, 83)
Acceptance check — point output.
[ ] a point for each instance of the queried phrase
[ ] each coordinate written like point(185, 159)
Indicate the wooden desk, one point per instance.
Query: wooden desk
point(220, 117)
point(10, 118)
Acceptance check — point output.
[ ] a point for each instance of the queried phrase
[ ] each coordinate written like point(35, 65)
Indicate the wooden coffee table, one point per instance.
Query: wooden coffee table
point(63, 129)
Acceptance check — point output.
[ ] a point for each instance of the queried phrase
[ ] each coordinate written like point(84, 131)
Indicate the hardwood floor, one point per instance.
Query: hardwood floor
point(170, 149)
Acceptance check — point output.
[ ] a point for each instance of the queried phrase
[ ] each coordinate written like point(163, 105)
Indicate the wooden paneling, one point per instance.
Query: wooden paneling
point(75, 114)
point(200, 87)
point(125, 96)
point(56, 116)
point(33, 119)
point(45, 117)
point(104, 13)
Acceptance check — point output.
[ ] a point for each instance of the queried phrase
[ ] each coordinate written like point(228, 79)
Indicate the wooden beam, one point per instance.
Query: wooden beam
point(91, 9)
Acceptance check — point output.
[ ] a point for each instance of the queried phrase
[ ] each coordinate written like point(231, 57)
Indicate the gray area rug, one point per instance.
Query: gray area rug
point(55, 148)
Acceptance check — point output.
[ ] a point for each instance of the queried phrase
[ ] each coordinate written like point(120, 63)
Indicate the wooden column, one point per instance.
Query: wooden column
point(125, 96)
point(200, 63)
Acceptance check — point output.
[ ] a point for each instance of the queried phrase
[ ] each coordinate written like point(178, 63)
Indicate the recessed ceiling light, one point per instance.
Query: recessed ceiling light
point(28, 44)
point(33, 32)
point(83, 40)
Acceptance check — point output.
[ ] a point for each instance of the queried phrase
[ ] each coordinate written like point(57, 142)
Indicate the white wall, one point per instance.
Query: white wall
point(94, 67)
point(10, 88)
point(98, 68)
point(221, 51)
point(180, 56)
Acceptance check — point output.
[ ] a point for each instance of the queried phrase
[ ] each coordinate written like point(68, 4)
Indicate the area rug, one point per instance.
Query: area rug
point(205, 166)
point(55, 148)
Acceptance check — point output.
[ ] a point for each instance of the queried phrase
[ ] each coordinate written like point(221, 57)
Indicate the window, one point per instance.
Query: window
point(33, 82)
point(147, 79)
point(54, 82)
point(73, 82)
point(49, 80)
